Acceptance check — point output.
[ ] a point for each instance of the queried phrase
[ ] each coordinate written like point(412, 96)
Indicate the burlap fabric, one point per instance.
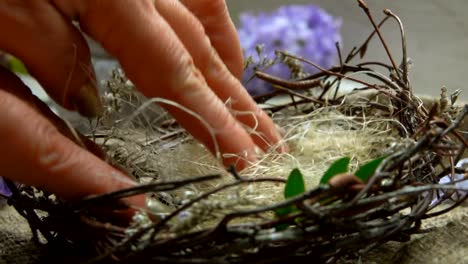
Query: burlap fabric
point(15, 239)
point(448, 243)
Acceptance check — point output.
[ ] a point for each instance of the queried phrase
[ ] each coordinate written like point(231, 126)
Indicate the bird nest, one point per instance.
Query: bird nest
point(198, 212)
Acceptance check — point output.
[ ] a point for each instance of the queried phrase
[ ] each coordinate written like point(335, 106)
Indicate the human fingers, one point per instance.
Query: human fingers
point(53, 51)
point(214, 16)
point(158, 63)
point(34, 152)
point(228, 88)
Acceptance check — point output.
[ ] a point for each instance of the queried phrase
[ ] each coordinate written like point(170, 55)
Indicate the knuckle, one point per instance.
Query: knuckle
point(197, 26)
point(187, 77)
point(216, 66)
point(226, 123)
point(51, 154)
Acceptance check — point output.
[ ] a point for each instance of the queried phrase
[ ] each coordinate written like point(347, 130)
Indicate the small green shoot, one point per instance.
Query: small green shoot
point(367, 170)
point(294, 186)
point(15, 65)
point(338, 167)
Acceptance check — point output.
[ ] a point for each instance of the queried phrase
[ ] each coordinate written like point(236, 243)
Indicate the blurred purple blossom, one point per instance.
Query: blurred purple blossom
point(303, 30)
point(4, 190)
point(462, 182)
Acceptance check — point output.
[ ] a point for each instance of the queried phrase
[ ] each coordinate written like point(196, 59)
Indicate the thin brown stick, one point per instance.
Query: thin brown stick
point(366, 9)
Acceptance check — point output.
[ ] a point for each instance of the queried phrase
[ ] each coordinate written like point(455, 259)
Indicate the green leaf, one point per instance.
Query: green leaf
point(282, 212)
point(285, 210)
point(367, 170)
point(339, 166)
point(299, 220)
point(281, 227)
point(295, 184)
point(15, 65)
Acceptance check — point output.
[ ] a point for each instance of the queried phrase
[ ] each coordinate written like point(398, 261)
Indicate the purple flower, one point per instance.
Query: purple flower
point(306, 31)
point(4, 190)
point(462, 182)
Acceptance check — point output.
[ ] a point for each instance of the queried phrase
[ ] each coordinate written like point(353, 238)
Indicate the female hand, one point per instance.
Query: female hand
point(185, 51)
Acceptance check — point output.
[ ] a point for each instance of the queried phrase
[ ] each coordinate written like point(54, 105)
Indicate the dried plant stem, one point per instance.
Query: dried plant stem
point(339, 75)
point(140, 189)
point(299, 84)
point(404, 63)
point(363, 48)
point(366, 9)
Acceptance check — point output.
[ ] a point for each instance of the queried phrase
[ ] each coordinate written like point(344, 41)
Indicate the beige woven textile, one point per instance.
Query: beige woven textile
point(15, 239)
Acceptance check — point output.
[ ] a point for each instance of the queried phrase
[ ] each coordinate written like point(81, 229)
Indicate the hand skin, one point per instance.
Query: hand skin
point(185, 51)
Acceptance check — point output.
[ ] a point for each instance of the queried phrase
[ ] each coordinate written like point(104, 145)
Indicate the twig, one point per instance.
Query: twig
point(404, 63)
point(150, 187)
point(299, 84)
point(363, 48)
point(366, 9)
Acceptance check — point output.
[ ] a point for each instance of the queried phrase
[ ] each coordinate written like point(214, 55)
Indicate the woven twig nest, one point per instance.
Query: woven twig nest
point(200, 213)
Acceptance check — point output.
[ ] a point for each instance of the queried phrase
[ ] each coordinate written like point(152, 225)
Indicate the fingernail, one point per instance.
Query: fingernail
point(87, 102)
